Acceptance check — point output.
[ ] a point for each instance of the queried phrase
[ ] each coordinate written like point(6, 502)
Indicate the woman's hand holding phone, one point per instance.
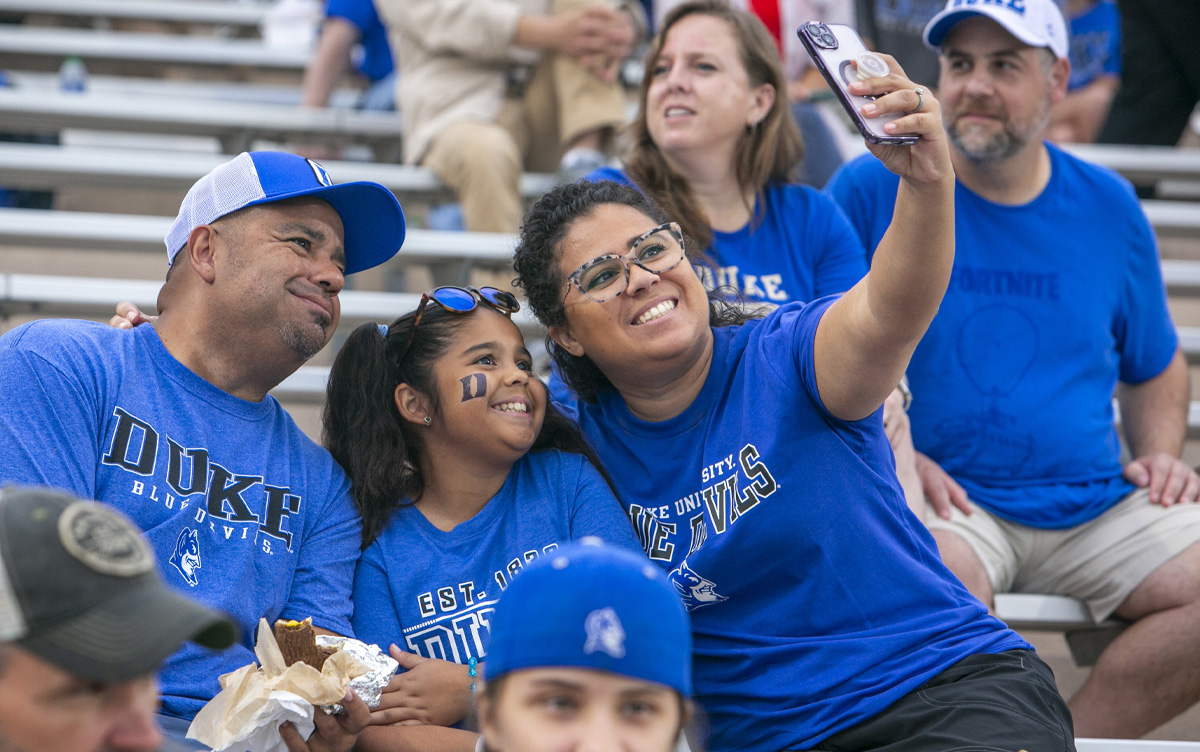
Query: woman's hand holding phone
point(901, 122)
point(926, 161)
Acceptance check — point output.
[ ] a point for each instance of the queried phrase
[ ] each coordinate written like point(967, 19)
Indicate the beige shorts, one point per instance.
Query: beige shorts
point(1099, 562)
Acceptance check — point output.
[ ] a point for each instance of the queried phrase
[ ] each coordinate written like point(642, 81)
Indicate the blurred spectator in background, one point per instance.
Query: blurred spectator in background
point(1095, 71)
point(1160, 79)
point(896, 27)
point(352, 35)
point(822, 152)
point(494, 87)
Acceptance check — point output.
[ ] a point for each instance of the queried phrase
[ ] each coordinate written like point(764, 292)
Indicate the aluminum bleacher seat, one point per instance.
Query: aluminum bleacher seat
point(44, 48)
point(48, 167)
point(235, 124)
point(247, 15)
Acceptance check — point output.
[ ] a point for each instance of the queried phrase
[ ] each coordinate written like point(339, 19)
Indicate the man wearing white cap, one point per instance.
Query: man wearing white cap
point(171, 423)
point(1056, 300)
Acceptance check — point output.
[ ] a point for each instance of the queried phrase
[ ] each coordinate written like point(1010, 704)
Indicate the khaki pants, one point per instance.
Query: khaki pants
point(1099, 562)
point(482, 162)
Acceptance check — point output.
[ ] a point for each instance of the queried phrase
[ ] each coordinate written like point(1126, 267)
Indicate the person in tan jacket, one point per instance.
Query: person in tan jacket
point(494, 87)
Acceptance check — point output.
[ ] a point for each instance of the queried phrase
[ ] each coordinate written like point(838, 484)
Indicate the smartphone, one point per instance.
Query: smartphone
point(833, 47)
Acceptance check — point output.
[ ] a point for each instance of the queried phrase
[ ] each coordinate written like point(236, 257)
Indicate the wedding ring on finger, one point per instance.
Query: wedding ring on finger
point(920, 101)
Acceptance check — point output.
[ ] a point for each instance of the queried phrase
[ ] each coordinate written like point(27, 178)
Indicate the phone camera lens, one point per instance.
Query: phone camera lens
point(822, 36)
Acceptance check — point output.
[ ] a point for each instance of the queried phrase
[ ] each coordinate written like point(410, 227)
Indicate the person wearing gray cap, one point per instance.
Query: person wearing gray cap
point(1056, 301)
point(85, 620)
point(172, 422)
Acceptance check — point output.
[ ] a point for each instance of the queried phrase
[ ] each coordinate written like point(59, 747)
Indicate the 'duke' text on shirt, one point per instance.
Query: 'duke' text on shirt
point(135, 447)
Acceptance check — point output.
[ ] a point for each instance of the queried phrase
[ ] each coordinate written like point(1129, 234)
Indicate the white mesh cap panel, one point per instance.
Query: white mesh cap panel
point(226, 189)
point(12, 617)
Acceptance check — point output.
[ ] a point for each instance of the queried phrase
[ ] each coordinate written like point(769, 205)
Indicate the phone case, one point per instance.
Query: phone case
point(833, 47)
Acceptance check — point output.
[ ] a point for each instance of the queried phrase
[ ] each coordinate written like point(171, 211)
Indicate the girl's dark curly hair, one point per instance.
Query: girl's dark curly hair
point(363, 430)
point(540, 275)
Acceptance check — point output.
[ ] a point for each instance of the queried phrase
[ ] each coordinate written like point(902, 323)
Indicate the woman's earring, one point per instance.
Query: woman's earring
point(428, 420)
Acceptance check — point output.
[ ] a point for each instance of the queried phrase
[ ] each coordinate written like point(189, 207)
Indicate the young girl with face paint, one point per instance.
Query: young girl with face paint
point(463, 475)
point(603, 665)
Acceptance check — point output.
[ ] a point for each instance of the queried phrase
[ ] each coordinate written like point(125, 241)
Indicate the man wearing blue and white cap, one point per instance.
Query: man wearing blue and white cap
point(171, 423)
point(590, 649)
point(1056, 300)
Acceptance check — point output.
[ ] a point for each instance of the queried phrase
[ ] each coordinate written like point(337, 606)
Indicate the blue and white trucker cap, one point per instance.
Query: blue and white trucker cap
point(1037, 23)
point(594, 606)
point(372, 219)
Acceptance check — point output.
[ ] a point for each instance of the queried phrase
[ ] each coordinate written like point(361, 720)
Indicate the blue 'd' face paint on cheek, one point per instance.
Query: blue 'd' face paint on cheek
point(474, 386)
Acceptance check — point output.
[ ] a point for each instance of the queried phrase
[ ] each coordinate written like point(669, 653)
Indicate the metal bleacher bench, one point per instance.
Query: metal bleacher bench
point(85, 230)
point(206, 13)
point(1143, 165)
point(193, 90)
point(95, 231)
point(1055, 613)
point(40, 48)
point(44, 167)
point(235, 124)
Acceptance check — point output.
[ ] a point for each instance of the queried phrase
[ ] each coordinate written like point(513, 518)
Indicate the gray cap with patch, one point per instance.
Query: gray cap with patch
point(79, 588)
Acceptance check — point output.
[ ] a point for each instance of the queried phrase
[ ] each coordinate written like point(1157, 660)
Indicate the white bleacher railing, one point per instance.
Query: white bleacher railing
point(124, 232)
point(207, 13)
point(39, 48)
point(47, 167)
point(235, 124)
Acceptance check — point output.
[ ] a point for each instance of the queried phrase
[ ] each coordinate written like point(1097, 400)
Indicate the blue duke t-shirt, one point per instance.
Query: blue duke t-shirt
point(799, 247)
point(816, 598)
point(1050, 304)
point(432, 592)
point(244, 512)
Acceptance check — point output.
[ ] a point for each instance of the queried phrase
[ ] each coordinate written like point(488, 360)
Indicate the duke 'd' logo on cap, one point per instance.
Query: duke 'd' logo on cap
point(604, 633)
point(319, 171)
point(103, 541)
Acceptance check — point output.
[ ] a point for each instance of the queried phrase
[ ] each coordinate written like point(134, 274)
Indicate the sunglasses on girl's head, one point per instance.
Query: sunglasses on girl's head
point(462, 300)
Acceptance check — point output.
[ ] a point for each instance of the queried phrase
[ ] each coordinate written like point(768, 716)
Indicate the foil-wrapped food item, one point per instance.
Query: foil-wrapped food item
point(368, 686)
point(256, 698)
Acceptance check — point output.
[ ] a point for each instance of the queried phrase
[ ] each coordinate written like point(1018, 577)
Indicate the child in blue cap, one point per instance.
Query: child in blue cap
point(591, 648)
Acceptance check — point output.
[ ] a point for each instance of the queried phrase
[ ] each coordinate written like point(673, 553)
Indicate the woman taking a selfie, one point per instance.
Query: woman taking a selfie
point(715, 146)
point(822, 617)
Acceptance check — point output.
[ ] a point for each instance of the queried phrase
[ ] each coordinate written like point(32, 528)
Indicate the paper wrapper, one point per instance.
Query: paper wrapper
point(246, 714)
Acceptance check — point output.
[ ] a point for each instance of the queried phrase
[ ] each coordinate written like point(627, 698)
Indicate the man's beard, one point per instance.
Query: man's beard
point(979, 146)
point(306, 340)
